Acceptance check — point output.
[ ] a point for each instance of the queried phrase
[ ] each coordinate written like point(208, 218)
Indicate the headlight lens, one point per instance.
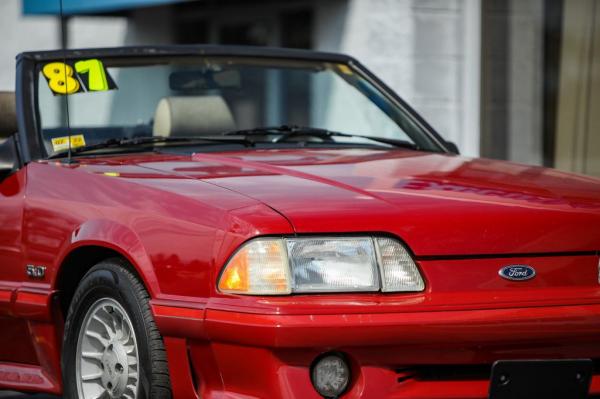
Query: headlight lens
point(280, 266)
point(334, 265)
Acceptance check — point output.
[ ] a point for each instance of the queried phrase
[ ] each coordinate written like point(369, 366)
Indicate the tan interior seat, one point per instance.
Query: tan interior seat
point(192, 116)
point(8, 114)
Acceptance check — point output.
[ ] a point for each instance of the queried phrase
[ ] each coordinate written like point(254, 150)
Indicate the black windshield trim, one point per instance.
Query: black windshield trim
point(186, 50)
point(153, 141)
point(226, 148)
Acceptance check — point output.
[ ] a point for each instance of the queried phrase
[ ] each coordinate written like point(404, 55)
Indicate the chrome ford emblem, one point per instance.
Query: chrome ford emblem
point(517, 272)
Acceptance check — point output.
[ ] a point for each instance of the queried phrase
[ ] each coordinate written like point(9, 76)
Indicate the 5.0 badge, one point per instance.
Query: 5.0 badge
point(37, 272)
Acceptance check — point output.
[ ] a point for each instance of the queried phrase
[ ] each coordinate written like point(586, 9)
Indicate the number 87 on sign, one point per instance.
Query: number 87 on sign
point(62, 79)
point(96, 76)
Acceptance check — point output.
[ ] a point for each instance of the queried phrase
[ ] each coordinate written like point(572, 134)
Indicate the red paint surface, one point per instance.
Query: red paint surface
point(178, 218)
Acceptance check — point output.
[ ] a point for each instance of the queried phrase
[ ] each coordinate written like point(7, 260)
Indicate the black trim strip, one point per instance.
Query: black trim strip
point(501, 256)
point(185, 50)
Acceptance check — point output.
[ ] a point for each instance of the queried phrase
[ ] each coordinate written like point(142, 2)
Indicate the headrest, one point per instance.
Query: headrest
point(8, 114)
point(192, 116)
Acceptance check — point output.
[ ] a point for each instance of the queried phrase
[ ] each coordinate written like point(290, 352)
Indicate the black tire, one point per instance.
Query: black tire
point(112, 279)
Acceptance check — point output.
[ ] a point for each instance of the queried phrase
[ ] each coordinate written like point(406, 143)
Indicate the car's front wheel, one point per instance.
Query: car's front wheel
point(111, 347)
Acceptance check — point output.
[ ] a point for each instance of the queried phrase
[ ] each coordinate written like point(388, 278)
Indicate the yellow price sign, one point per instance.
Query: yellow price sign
point(84, 75)
point(60, 78)
point(62, 143)
point(96, 75)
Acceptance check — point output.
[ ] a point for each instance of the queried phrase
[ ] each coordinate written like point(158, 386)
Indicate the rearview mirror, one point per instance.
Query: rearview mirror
point(9, 159)
point(192, 81)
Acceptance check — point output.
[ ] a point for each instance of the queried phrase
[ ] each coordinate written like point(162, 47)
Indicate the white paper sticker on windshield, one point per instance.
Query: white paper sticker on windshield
point(62, 143)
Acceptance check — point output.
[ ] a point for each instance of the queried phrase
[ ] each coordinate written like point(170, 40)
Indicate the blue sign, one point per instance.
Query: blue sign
point(74, 7)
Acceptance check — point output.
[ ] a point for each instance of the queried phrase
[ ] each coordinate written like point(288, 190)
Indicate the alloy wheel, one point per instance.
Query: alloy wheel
point(107, 360)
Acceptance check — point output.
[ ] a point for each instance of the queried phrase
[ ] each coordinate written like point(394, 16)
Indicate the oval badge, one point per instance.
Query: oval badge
point(517, 272)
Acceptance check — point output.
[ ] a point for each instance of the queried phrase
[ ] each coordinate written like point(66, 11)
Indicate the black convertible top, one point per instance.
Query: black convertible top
point(186, 50)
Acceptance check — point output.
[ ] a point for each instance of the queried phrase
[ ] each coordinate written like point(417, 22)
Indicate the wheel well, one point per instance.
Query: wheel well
point(76, 265)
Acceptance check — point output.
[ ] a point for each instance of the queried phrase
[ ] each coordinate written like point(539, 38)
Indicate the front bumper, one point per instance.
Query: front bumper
point(439, 354)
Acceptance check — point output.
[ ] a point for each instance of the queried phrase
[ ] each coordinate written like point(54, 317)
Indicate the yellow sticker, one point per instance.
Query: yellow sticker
point(345, 69)
point(62, 143)
point(96, 74)
point(80, 76)
point(60, 78)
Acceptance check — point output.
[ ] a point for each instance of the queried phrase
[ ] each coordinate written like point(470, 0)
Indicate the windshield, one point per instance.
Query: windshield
point(215, 97)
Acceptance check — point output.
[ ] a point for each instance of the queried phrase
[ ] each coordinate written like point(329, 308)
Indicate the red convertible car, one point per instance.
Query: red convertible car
point(238, 223)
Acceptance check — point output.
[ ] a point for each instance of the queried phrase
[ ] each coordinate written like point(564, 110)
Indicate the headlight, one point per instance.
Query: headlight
point(280, 266)
point(333, 265)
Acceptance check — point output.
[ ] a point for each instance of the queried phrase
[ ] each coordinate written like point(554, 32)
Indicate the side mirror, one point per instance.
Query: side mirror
point(9, 158)
point(453, 148)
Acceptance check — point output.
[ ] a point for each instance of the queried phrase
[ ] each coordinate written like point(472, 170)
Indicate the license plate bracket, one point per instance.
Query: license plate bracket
point(547, 379)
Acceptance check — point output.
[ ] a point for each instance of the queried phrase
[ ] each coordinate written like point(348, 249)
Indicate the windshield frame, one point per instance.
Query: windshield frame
point(29, 65)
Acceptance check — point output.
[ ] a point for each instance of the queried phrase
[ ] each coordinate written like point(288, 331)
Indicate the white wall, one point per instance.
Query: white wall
point(145, 26)
point(21, 34)
point(426, 50)
point(97, 31)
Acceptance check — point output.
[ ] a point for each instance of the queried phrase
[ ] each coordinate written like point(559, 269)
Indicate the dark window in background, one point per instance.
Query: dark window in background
point(553, 12)
point(189, 25)
point(191, 31)
point(504, 70)
point(249, 33)
point(495, 75)
point(296, 28)
point(259, 23)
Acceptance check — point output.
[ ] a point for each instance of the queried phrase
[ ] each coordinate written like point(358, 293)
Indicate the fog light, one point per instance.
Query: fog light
point(330, 375)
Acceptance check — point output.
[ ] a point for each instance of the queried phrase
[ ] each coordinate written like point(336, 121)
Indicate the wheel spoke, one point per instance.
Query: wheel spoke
point(109, 330)
point(91, 377)
point(97, 337)
point(129, 391)
point(130, 349)
point(103, 395)
point(92, 355)
point(131, 360)
point(125, 335)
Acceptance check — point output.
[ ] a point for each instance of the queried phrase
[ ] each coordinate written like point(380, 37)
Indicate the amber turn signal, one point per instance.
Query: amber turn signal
point(258, 268)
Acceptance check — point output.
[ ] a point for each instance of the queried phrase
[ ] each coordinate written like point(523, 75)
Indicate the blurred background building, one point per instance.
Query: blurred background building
point(506, 79)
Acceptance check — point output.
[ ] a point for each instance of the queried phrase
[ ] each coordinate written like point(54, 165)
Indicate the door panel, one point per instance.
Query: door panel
point(16, 345)
point(11, 222)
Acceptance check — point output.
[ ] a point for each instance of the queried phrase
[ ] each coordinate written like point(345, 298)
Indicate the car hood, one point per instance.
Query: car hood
point(440, 205)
